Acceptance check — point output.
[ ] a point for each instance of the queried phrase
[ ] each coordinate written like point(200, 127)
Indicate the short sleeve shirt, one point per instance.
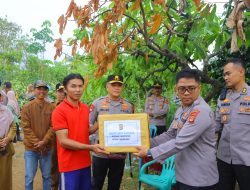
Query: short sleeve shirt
point(76, 120)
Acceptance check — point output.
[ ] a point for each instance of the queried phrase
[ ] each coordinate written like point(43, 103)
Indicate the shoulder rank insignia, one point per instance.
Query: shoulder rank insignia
point(225, 118)
point(192, 116)
point(124, 106)
point(224, 110)
point(226, 100)
point(244, 90)
point(247, 98)
point(104, 105)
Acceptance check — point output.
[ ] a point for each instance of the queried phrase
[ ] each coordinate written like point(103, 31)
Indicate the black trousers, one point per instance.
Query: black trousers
point(160, 129)
point(181, 186)
point(113, 167)
point(230, 173)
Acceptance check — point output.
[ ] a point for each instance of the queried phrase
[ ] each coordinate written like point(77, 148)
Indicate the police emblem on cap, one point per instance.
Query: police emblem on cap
point(116, 77)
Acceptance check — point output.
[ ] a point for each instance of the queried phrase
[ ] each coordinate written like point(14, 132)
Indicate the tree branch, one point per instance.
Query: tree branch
point(145, 34)
point(141, 53)
point(136, 22)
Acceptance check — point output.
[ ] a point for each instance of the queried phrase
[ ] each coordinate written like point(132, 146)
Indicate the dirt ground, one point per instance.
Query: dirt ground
point(128, 183)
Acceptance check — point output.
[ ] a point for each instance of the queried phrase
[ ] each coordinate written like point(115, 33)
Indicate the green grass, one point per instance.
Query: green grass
point(128, 182)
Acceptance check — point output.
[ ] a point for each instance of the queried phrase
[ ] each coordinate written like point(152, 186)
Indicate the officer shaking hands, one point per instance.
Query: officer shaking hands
point(111, 165)
point(233, 120)
point(157, 108)
point(191, 137)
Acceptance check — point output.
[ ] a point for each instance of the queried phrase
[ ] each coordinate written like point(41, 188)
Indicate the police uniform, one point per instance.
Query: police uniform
point(159, 107)
point(113, 163)
point(233, 119)
point(191, 137)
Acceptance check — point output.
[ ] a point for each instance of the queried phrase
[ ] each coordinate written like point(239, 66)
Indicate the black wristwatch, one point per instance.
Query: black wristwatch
point(149, 153)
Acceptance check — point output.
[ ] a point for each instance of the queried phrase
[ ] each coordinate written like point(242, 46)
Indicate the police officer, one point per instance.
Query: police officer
point(233, 119)
point(60, 95)
point(113, 164)
point(190, 136)
point(157, 108)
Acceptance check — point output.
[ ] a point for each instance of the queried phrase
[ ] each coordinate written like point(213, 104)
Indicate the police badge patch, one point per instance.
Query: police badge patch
point(192, 116)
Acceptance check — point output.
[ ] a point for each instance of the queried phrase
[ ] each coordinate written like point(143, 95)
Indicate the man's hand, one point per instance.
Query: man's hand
point(142, 151)
point(151, 114)
point(40, 145)
point(98, 149)
point(4, 142)
point(160, 117)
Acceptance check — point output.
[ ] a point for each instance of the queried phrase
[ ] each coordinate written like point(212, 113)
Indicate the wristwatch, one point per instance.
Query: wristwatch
point(149, 153)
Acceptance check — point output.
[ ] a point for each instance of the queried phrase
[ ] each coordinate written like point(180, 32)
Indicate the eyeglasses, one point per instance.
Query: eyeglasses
point(183, 89)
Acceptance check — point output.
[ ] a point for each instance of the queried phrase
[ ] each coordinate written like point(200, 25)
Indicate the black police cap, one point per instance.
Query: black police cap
point(114, 79)
point(157, 85)
point(59, 86)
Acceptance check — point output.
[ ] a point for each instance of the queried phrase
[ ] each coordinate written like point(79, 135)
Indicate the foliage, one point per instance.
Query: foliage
point(9, 35)
point(176, 35)
point(40, 38)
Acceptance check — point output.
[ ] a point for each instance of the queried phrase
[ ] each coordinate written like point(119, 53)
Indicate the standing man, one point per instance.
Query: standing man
point(71, 123)
point(157, 108)
point(38, 134)
point(190, 136)
point(113, 164)
point(233, 119)
point(60, 95)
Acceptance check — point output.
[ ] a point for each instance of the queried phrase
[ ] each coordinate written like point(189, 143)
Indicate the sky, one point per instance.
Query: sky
point(31, 14)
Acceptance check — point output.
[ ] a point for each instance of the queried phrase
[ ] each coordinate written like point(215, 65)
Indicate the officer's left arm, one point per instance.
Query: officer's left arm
point(93, 114)
point(218, 125)
point(190, 132)
point(164, 137)
point(163, 111)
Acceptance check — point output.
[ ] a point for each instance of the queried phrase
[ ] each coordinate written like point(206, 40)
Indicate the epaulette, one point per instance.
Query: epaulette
point(127, 101)
point(223, 94)
point(100, 98)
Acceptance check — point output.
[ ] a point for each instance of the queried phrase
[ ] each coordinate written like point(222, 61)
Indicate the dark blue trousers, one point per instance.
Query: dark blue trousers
point(76, 180)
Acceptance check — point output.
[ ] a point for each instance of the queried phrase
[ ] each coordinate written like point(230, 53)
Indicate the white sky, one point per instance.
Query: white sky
point(31, 13)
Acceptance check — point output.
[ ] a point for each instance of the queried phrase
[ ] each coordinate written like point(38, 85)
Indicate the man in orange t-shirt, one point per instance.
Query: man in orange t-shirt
point(70, 120)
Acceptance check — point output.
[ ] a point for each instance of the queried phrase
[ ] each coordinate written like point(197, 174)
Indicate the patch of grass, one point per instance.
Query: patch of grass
point(128, 182)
